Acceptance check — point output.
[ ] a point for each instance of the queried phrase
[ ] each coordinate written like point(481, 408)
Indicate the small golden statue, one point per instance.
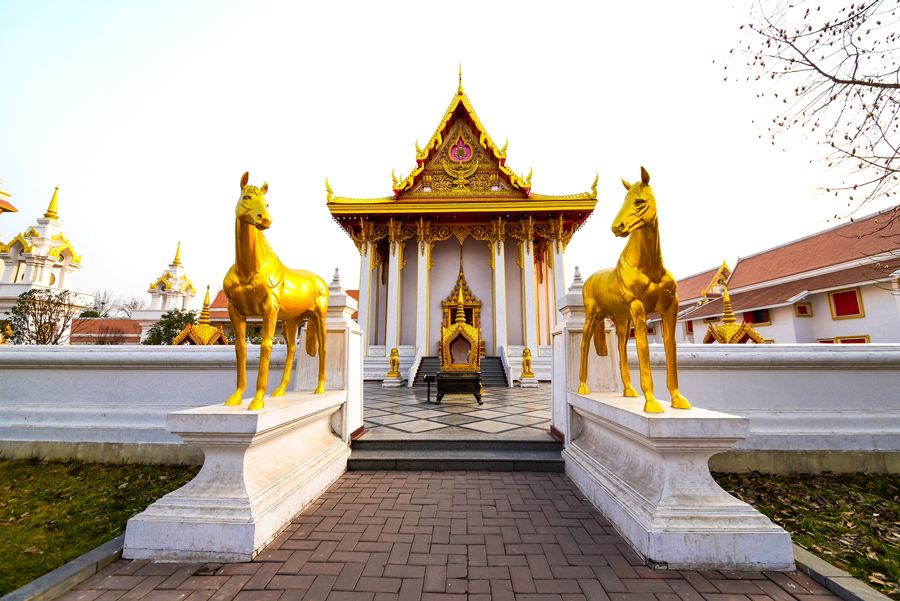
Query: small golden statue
point(394, 371)
point(526, 363)
point(258, 284)
point(638, 285)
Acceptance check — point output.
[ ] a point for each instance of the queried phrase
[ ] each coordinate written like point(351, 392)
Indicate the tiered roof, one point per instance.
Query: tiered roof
point(462, 172)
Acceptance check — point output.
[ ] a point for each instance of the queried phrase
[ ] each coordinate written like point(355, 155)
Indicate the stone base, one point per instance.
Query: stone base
point(528, 382)
point(649, 474)
point(392, 382)
point(261, 468)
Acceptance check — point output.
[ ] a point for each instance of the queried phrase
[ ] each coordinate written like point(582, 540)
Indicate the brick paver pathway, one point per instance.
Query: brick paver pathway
point(443, 536)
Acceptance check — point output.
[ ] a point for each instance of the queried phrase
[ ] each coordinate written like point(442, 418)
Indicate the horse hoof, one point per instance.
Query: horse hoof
point(278, 392)
point(256, 405)
point(320, 389)
point(653, 406)
point(679, 402)
point(583, 389)
point(631, 393)
point(233, 401)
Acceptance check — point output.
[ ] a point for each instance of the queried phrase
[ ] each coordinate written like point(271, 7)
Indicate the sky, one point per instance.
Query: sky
point(146, 114)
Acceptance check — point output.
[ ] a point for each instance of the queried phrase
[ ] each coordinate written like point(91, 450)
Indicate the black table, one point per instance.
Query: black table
point(428, 380)
point(459, 383)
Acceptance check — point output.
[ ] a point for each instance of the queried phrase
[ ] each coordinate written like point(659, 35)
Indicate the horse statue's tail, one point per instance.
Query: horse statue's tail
point(599, 334)
point(312, 336)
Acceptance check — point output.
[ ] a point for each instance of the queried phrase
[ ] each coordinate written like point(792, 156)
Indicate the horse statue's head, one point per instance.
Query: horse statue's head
point(252, 207)
point(638, 208)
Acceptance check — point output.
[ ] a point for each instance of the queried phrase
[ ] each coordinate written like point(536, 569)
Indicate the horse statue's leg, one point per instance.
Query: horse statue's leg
point(320, 310)
point(270, 318)
point(622, 327)
point(239, 325)
point(669, 320)
point(639, 315)
point(589, 326)
point(289, 327)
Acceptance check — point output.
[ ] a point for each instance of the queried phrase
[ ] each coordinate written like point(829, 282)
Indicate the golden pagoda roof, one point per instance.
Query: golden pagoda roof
point(53, 207)
point(729, 332)
point(202, 333)
point(461, 170)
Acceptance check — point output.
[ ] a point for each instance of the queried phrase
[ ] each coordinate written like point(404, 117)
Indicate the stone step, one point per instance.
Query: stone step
point(444, 460)
point(492, 373)
point(454, 444)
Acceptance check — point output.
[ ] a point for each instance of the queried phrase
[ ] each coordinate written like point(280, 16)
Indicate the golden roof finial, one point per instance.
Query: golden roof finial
point(204, 313)
point(177, 259)
point(460, 311)
point(54, 206)
point(594, 185)
point(459, 90)
point(329, 191)
point(728, 317)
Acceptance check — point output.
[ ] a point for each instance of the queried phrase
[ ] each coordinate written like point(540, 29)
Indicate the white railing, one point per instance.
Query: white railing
point(507, 370)
point(414, 368)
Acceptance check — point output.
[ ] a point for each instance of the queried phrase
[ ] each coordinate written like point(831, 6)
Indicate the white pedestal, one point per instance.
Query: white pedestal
point(261, 468)
point(391, 382)
point(648, 474)
point(528, 383)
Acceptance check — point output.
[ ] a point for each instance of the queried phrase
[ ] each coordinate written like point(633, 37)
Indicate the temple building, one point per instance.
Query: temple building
point(838, 286)
point(461, 222)
point(5, 205)
point(171, 290)
point(40, 257)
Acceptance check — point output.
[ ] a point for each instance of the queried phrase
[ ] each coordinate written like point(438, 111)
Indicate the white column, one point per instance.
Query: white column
point(530, 295)
point(499, 263)
point(559, 277)
point(423, 295)
point(391, 338)
point(365, 290)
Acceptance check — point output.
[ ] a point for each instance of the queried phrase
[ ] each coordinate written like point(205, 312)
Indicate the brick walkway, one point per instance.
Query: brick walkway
point(443, 536)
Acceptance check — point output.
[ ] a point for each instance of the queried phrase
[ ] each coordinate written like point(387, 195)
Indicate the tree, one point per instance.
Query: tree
point(43, 316)
point(837, 74)
point(104, 302)
point(89, 313)
point(127, 306)
point(169, 326)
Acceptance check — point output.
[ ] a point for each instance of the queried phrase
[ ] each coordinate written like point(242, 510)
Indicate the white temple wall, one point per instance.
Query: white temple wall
point(781, 329)
point(408, 288)
point(379, 305)
point(479, 276)
point(544, 294)
point(514, 311)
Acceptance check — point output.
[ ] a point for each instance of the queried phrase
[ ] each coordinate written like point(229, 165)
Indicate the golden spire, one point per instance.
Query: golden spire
point(54, 206)
point(460, 312)
point(459, 91)
point(204, 313)
point(177, 259)
point(728, 317)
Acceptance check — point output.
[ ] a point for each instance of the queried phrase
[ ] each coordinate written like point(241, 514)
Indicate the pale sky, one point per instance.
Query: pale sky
point(147, 113)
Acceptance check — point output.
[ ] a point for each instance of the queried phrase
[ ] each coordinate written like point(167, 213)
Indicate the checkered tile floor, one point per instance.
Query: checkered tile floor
point(509, 412)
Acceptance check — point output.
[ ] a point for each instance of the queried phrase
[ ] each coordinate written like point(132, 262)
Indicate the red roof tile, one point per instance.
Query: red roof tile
point(773, 296)
point(865, 237)
point(94, 330)
point(692, 287)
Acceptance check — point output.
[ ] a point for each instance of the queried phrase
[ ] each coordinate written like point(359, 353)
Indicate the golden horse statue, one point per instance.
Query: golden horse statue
point(638, 285)
point(258, 284)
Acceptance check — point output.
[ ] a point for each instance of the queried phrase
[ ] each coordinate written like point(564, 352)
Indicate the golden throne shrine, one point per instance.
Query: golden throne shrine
point(460, 357)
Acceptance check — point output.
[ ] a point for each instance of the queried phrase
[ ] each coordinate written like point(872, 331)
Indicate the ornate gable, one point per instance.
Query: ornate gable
point(462, 158)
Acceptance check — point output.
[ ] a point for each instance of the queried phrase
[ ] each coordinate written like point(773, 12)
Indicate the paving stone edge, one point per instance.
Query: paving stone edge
point(64, 578)
point(833, 578)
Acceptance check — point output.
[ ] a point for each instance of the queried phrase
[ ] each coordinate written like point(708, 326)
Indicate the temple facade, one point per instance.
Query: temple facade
point(171, 290)
point(462, 222)
point(40, 257)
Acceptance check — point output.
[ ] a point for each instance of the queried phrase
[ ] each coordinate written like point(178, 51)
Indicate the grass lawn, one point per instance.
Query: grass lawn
point(849, 520)
point(51, 512)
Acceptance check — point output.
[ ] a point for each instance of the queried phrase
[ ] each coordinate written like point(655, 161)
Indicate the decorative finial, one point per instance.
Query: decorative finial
point(329, 191)
point(594, 185)
point(460, 311)
point(177, 259)
point(337, 277)
point(577, 282)
point(54, 206)
point(204, 313)
point(395, 181)
point(728, 317)
point(459, 90)
point(503, 150)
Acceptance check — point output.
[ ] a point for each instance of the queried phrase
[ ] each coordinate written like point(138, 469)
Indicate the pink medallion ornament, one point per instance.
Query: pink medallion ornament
point(460, 152)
